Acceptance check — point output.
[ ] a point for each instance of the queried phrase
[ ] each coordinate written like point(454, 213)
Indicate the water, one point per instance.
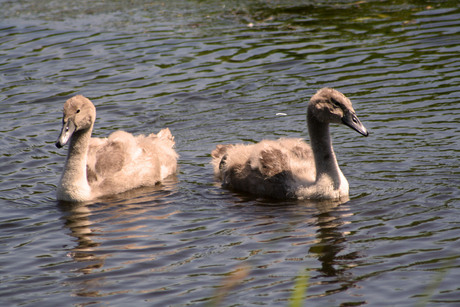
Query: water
point(215, 73)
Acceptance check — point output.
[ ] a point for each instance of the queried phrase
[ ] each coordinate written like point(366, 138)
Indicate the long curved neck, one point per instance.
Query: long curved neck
point(325, 160)
point(74, 180)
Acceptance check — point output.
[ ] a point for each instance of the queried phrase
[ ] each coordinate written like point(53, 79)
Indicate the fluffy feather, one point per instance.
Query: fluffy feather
point(102, 166)
point(290, 168)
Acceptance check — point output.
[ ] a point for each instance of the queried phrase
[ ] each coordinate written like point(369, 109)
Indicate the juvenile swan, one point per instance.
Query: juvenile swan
point(290, 168)
point(101, 166)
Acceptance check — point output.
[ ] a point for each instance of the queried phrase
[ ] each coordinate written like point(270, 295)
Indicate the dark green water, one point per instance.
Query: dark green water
point(219, 72)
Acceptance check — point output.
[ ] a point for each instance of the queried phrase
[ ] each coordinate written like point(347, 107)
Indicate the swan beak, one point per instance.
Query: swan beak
point(68, 129)
point(351, 120)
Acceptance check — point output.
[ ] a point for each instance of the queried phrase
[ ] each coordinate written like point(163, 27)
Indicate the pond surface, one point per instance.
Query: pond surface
point(219, 72)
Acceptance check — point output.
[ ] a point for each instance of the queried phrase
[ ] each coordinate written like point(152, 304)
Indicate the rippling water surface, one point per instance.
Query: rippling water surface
point(219, 72)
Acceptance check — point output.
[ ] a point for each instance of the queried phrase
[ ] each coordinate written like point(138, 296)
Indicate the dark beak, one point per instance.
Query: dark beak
point(68, 129)
point(351, 120)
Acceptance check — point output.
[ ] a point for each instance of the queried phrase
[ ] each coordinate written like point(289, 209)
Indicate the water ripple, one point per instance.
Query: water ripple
point(217, 73)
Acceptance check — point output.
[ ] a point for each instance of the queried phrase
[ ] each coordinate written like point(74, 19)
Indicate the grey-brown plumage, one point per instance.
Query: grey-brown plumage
point(290, 168)
point(102, 166)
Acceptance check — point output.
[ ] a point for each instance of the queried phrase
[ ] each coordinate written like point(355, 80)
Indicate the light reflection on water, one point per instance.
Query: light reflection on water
point(202, 71)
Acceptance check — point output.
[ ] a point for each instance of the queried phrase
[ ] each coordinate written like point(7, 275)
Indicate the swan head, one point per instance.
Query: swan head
point(79, 114)
point(331, 106)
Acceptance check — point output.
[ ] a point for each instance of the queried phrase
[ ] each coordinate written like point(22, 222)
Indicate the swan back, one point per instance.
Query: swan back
point(269, 168)
point(123, 161)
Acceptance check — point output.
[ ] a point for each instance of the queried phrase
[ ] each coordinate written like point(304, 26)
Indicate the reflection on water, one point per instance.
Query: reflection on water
point(113, 236)
point(91, 225)
point(219, 73)
point(330, 240)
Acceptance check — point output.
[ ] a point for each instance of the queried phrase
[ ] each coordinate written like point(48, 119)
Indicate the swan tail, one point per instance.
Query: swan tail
point(219, 157)
point(165, 134)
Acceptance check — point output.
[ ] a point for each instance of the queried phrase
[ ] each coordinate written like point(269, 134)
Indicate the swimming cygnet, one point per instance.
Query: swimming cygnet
point(102, 166)
point(288, 167)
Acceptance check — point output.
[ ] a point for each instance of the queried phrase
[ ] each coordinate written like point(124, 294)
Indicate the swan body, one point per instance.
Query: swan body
point(102, 166)
point(288, 167)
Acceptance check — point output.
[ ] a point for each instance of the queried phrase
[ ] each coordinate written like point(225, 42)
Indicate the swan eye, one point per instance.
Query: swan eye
point(78, 111)
point(355, 119)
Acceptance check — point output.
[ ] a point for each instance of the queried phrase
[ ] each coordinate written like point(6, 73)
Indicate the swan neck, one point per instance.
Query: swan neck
point(325, 159)
point(74, 175)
